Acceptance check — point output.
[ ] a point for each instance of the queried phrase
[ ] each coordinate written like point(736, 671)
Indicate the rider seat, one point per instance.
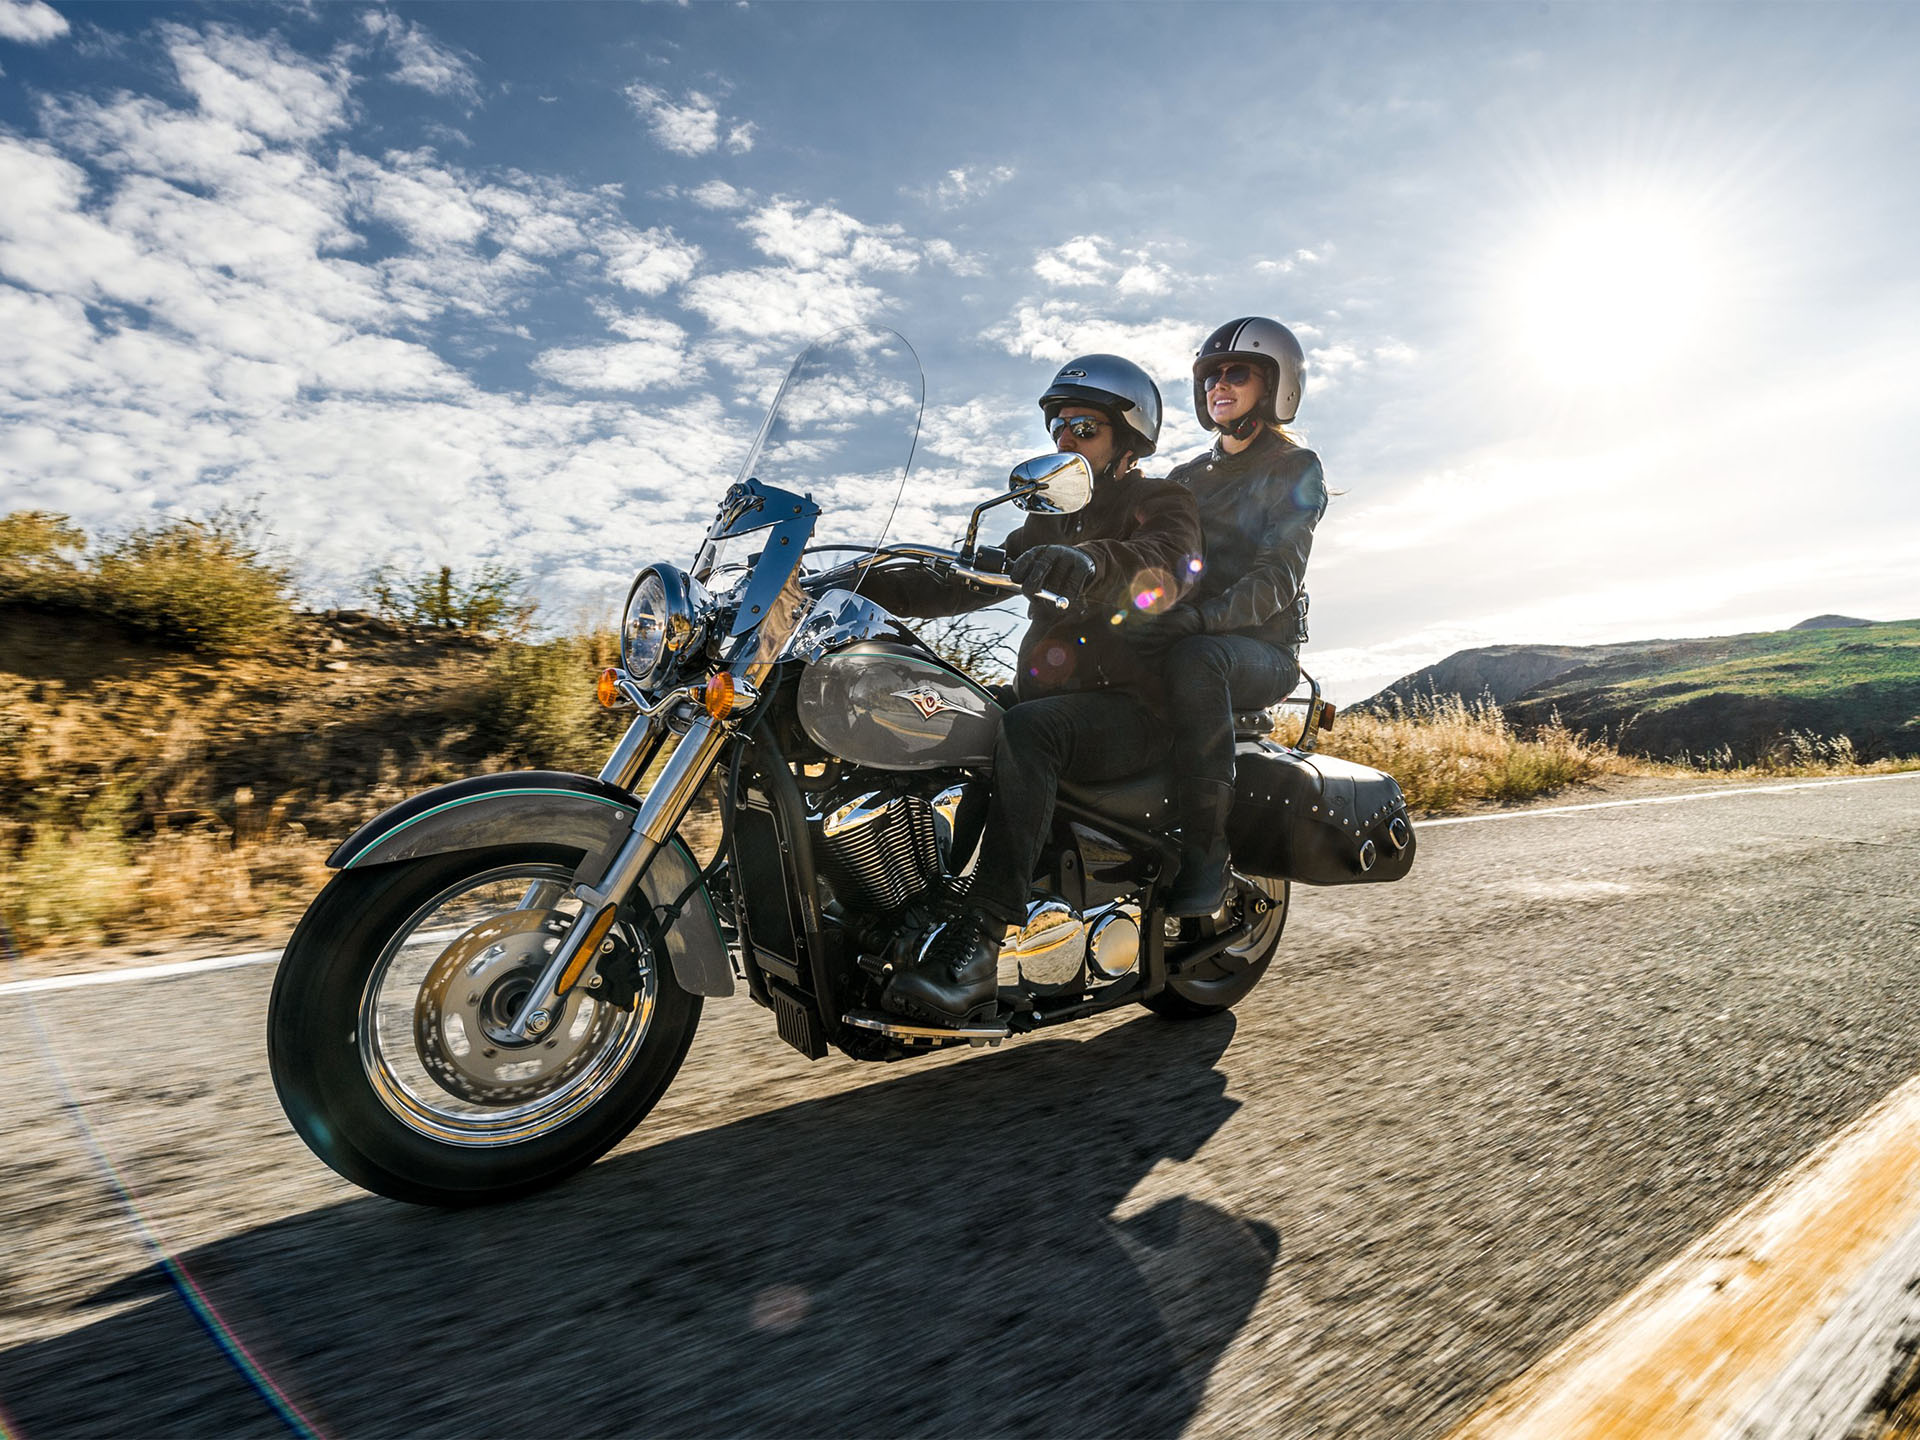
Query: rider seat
point(1146, 800)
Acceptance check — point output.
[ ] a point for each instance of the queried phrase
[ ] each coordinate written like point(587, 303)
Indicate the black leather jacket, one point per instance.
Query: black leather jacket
point(1142, 533)
point(1258, 510)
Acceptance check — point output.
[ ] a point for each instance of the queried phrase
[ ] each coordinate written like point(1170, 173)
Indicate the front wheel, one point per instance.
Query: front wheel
point(1229, 977)
point(386, 1033)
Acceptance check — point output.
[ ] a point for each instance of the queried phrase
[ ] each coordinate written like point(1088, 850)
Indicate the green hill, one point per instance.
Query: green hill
point(1746, 693)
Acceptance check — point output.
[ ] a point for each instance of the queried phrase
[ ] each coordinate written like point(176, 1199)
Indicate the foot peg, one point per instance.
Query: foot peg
point(988, 1032)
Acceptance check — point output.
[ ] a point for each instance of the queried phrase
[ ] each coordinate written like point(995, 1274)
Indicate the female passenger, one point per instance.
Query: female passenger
point(1232, 644)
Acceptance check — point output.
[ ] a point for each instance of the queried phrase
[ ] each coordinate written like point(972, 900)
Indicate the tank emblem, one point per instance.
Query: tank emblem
point(928, 702)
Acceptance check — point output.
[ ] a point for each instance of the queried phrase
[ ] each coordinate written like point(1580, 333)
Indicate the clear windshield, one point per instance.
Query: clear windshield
point(842, 429)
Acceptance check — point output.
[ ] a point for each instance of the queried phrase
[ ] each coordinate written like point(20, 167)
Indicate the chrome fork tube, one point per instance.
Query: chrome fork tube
point(624, 767)
point(635, 752)
point(653, 826)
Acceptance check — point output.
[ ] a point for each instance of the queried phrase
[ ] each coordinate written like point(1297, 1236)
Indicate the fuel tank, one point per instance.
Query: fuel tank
point(890, 705)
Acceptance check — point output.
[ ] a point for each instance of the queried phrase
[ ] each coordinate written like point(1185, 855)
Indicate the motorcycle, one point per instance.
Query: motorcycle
point(506, 972)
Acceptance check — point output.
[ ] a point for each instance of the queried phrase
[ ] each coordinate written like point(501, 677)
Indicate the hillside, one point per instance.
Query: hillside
point(1736, 695)
point(143, 783)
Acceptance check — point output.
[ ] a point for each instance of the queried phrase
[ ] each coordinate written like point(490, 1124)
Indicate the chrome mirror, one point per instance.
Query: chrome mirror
point(1056, 484)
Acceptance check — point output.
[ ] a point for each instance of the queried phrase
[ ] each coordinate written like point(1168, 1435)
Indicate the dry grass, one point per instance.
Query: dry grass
point(1447, 752)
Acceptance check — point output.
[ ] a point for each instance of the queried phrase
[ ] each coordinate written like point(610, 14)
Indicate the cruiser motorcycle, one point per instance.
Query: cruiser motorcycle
point(506, 972)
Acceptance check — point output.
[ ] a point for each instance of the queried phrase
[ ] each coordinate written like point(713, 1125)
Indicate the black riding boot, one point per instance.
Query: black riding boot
point(956, 977)
point(1200, 886)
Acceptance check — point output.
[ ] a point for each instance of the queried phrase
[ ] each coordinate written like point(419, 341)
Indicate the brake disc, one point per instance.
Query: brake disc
point(470, 996)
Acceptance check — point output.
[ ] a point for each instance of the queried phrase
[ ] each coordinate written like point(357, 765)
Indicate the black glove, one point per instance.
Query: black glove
point(1061, 569)
point(1158, 633)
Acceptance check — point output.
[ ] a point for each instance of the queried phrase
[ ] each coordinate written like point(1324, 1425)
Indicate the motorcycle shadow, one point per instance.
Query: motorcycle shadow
point(935, 1253)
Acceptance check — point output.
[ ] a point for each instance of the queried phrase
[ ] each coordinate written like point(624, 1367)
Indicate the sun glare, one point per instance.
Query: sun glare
point(1614, 295)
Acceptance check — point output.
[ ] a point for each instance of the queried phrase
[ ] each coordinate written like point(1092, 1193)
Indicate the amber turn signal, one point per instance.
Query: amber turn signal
point(719, 695)
point(608, 688)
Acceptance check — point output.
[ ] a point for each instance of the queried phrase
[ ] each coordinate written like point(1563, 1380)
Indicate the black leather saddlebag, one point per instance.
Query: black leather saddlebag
point(1315, 819)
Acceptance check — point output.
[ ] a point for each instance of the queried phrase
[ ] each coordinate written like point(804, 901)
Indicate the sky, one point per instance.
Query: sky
point(1610, 311)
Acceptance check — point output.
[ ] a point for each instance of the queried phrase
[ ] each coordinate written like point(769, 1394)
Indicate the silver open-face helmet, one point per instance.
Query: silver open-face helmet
point(1266, 344)
point(1118, 388)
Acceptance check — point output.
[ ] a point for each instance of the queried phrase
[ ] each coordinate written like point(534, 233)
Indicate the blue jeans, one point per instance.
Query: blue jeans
point(1209, 678)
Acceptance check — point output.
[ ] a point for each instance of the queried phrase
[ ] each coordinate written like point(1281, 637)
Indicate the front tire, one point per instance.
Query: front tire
point(1229, 977)
point(384, 1032)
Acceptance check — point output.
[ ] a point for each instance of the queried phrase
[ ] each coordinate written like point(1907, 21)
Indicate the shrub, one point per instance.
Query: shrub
point(1446, 752)
point(540, 702)
point(40, 558)
point(207, 584)
point(491, 600)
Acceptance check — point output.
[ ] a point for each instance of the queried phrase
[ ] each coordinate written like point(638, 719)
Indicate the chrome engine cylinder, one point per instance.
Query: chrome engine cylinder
point(880, 851)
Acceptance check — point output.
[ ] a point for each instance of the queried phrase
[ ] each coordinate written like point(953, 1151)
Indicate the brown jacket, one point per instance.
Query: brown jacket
point(1144, 537)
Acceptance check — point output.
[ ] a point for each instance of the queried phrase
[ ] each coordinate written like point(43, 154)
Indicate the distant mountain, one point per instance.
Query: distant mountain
point(1829, 676)
point(1831, 622)
point(1504, 672)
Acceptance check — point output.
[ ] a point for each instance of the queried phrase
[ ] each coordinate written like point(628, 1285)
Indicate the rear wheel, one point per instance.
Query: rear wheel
point(1223, 981)
point(386, 1033)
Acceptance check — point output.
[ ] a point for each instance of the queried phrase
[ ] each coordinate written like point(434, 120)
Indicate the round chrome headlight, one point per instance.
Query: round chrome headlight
point(661, 619)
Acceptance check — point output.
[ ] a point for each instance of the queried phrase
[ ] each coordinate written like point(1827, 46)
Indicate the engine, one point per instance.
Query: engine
point(881, 850)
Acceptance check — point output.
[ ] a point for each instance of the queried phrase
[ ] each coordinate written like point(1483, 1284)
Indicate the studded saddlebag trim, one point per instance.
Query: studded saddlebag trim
point(1315, 819)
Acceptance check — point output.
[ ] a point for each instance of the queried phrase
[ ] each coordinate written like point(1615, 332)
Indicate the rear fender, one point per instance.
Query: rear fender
point(550, 807)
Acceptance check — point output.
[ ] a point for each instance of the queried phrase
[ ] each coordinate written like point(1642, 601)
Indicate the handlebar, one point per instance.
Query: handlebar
point(948, 560)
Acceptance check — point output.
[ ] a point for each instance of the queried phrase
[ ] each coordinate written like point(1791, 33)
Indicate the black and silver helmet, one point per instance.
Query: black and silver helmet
point(1119, 388)
point(1267, 344)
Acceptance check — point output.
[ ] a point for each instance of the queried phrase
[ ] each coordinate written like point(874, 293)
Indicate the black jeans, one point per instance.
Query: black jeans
point(1097, 735)
point(1209, 677)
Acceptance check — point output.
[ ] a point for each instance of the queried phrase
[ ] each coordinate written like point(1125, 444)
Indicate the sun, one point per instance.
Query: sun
point(1614, 295)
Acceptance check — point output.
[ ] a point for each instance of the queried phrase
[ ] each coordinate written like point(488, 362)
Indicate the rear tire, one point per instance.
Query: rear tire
point(380, 1073)
point(1228, 978)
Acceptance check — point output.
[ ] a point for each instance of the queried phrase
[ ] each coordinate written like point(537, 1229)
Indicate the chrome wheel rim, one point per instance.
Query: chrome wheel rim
point(431, 1032)
point(1261, 935)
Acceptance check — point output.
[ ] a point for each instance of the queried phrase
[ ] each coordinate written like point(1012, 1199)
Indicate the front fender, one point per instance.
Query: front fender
point(550, 807)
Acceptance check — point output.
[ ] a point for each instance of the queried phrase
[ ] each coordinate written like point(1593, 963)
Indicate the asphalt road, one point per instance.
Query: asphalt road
point(1461, 1115)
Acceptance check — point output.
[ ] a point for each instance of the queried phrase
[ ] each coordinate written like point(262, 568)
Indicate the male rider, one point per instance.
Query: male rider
point(1088, 699)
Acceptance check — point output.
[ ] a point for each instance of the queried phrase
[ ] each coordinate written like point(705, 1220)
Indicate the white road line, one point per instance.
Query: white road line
point(1738, 1334)
point(264, 957)
point(124, 973)
point(1664, 799)
point(139, 972)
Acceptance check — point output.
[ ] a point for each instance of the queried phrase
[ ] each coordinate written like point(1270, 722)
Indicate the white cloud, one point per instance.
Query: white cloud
point(689, 126)
point(649, 261)
point(1148, 277)
point(780, 302)
point(820, 235)
point(422, 61)
point(717, 194)
point(30, 22)
point(259, 84)
point(943, 252)
point(1078, 261)
point(1329, 364)
point(189, 308)
point(1057, 330)
point(656, 355)
point(962, 185)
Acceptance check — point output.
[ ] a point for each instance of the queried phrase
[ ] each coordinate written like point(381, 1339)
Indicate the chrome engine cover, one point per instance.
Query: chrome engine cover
point(1049, 951)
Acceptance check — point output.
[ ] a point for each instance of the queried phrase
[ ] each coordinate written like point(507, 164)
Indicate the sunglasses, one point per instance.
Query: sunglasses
point(1234, 375)
point(1081, 427)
